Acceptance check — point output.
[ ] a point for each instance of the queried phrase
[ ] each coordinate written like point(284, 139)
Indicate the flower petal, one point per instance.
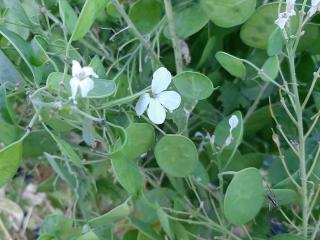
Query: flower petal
point(169, 99)
point(282, 21)
point(76, 68)
point(233, 122)
point(142, 104)
point(74, 84)
point(156, 112)
point(86, 85)
point(88, 71)
point(161, 80)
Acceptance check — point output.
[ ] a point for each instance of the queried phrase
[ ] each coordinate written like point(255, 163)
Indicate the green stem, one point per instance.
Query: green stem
point(123, 100)
point(136, 32)
point(176, 43)
point(301, 150)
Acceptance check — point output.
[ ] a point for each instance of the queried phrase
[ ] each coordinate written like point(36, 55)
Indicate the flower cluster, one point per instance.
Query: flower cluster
point(284, 17)
point(315, 7)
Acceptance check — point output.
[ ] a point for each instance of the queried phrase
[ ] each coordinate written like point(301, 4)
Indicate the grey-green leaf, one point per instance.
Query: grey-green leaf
point(87, 17)
point(10, 160)
point(244, 196)
point(176, 155)
point(228, 13)
point(231, 64)
point(193, 85)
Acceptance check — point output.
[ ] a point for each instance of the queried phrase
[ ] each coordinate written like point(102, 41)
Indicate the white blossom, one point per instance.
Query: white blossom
point(315, 7)
point(160, 100)
point(81, 78)
point(233, 122)
point(284, 17)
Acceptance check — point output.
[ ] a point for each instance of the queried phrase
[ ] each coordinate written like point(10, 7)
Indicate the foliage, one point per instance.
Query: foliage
point(151, 119)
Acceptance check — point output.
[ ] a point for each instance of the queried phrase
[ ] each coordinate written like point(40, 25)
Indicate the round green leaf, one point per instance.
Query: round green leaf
point(188, 21)
point(145, 14)
point(228, 13)
point(193, 85)
point(231, 64)
point(10, 160)
point(176, 155)
point(244, 196)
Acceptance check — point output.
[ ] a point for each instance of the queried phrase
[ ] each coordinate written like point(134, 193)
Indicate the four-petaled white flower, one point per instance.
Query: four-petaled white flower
point(81, 78)
point(284, 17)
point(315, 6)
point(160, 100)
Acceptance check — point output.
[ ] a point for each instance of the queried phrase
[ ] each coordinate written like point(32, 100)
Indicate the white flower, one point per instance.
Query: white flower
point(290, 8)
point(285, 16)
point(81, 78)
point(315, 6)
point(282, 20)
point(160, 100)
point(233, 122)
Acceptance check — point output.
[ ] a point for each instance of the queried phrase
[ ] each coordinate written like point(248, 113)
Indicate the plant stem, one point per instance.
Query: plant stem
point(301, 150)
point(136, 32)
point(123, 100)
point(176, 43)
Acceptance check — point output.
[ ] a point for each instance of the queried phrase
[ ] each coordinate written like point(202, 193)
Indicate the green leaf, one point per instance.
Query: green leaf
point(284, 196)
point(10, 160)
point(68, 16)
point(176, 155)
point(120, 212)
point(244, 196)
point(165, 222)
point(271, 68)
point(257, 30)
point(38, 142)
point(231, 64)
point(62, 170)
point(125, 168)
point(8, 72)
point(38, 55)
point(145, 209)
point(135, 146)
point(23, 48)
point(193, 85)
point(59, 227)
point(287, 237)
point(87, 17)
point(145, 14)
point(89, 236)
point(102, 87)
point(275, 42)
point(188, 21)
point(67, 150)
point(146, 229)
point(128, 174)
point(228, 13)
point(5, 113)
